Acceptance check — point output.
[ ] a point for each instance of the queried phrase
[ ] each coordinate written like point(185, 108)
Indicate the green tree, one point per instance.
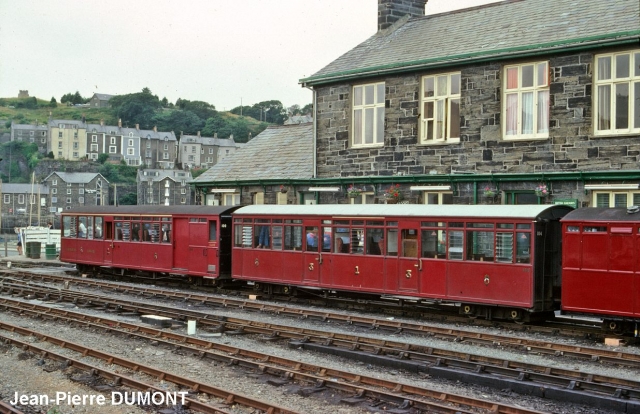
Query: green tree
point(129, 199)
point(136, 108)
point(53, 103)
point(73, 99)
point(178, 120)
point(307, 109)
point(202, 109)
point(102, 158)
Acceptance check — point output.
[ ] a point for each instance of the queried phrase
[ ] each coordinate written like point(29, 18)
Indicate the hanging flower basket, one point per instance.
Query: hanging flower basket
point(353, 192)
point(393, 194)
point(489, 192)
point(283, 189)
point(542, 190)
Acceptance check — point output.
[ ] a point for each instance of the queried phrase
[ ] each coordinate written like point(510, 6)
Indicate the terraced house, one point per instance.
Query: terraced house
point(520, 101)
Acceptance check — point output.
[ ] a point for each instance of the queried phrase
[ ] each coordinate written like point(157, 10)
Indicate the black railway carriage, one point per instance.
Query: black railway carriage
point(185, 240)
point(494, 261)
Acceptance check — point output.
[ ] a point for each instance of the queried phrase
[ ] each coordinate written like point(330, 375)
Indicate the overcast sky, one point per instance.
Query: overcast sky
point(218, 51)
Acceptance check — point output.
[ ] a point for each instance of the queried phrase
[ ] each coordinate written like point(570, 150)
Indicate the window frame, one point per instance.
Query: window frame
point(632, 79)
point(535, 89)
point(359, 123)
point(447, 98)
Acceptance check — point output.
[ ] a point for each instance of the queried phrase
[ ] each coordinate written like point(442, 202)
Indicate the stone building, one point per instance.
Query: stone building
point(67, 190)
point(31, 133)
point(513, 102)
point(100, 100)
point(196, 151)
point(163, 187)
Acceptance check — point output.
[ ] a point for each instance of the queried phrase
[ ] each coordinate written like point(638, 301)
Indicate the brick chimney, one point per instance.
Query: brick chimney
point(390, 11)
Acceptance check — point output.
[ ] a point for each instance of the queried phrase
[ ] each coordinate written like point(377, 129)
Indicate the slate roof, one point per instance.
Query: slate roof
point(76, 177)
point(508, 28)
point(8, 188)
point(284, 152)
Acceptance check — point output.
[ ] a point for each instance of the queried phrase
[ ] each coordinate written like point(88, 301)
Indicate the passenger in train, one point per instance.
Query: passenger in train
point(135, 233)
point(82, 230)
point(312, 239)
point(263, 237)
point(326, 242)
point(98, 232)
point(165, 233)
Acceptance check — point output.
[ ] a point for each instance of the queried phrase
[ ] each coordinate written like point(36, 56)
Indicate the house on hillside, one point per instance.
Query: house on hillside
point(163, 187)
point(31, 133)
point(68, 139)
point(100, 100)
point(196, 151)
point(275, 167)
point(509, 97)
point(24, 199)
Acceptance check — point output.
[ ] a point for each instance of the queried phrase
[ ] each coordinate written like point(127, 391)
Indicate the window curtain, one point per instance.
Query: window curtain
point(527, 113)
point(512, 114)
point(543, 112)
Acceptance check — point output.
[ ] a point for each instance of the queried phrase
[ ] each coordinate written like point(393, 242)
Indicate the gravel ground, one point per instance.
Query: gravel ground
point(28, 378)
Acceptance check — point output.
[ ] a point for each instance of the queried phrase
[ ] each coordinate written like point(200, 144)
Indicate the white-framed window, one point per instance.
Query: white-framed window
point(20, 198)
point(81, 191)
point(32, 139)
point(75, 145)
point(617, 93)
point(231, 199)
point(94, 156)
point(525, 103)
point(131, 151)
point(31, 133)
point(368, 115)
point(59, 134)
point(54, 182)
point(68, 184)
point(165, 155)
point(43, 140)
point(68, 191)
point(59, 153)
point(54, 191)
point(437, 197)
point(166, 147)
point(616, 198)
point(7, 198)
point(54, 200)
point(94, 138)
point(364, 198)
point(81, 200)
point(210, 150)
point(94, 147)
point(147, 154)
point(148, 144)
point(112, 149)
point(191, 158)
point(75, 155)
point(68, 200)
point(183, 200)
point(440, 108)
point(183, 191)
point(113, 140)
point(59, 144)
point(131, 143)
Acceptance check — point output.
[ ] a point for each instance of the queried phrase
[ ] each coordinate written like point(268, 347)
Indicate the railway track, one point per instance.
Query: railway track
point(360, 389)
point(546, 382)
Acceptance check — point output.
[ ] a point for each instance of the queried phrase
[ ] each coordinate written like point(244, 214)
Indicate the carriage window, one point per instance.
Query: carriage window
point(375, 242)
point(357, 240)
point(293, 237)
point(573, 229)
point(480, 245)
point(126, 231)
point(312, 239)
point(504, 247)
point(276, 233)
point(326, 239)
point(342, 240)
point(262, 238)
point(392, 242)
point(69, 226)
point(82, 227)
point(97, 230)
point(455, 245)
point(244, 236)
point(409, 243)
point(523, 226)
point(213, 231)
point(154, 233)
point(523, 247)
point(145, 233)
point(595, 229)
point(135, 231)
point(433, 242)
point(165, 234)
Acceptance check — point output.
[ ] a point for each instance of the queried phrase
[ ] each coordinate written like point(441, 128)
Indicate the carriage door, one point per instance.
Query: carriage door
point(180, 243)
point(198, 245)
point(312, 252)
point(409, 265)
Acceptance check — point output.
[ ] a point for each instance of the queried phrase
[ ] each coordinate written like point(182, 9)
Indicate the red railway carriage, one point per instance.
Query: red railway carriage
point(601, 265)
point(185, 240)
point(494, 261)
